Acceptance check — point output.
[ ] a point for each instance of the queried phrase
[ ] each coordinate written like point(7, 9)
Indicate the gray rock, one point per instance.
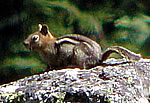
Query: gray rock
point(121, 83)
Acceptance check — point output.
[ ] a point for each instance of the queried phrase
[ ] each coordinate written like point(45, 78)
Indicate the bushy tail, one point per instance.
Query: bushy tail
point(125, 53)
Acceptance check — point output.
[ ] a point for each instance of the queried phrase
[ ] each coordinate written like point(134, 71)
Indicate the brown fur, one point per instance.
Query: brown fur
point(71, 50)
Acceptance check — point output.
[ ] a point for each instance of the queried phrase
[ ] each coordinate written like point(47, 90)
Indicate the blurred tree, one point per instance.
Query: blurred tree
point(110, 22)
point(137, 30)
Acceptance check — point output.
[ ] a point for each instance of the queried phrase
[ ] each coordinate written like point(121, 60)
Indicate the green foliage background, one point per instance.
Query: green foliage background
point(109, 22)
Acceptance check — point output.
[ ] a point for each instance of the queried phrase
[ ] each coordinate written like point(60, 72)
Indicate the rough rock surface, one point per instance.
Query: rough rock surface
point(123, 83)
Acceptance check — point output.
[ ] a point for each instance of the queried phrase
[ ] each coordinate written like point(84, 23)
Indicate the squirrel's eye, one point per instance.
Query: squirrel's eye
point(35, 38)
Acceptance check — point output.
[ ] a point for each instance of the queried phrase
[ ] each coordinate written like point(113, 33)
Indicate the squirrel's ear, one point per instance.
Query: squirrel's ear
point(39, 27)
point(43, 29)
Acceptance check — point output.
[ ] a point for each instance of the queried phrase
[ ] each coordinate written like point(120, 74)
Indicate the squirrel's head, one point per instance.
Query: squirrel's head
point(37, 40)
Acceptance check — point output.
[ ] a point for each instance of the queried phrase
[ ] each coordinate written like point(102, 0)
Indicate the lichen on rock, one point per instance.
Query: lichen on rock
point(121, 83)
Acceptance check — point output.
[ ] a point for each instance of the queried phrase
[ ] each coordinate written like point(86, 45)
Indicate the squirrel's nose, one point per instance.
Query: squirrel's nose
point(25, 43)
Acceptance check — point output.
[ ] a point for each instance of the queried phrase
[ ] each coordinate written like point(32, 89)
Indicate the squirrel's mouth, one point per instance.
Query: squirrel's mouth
point(27, 45)
point(30, 48)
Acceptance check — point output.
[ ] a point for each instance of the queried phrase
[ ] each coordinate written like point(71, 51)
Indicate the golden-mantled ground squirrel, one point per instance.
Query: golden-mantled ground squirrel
point(71, 50)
